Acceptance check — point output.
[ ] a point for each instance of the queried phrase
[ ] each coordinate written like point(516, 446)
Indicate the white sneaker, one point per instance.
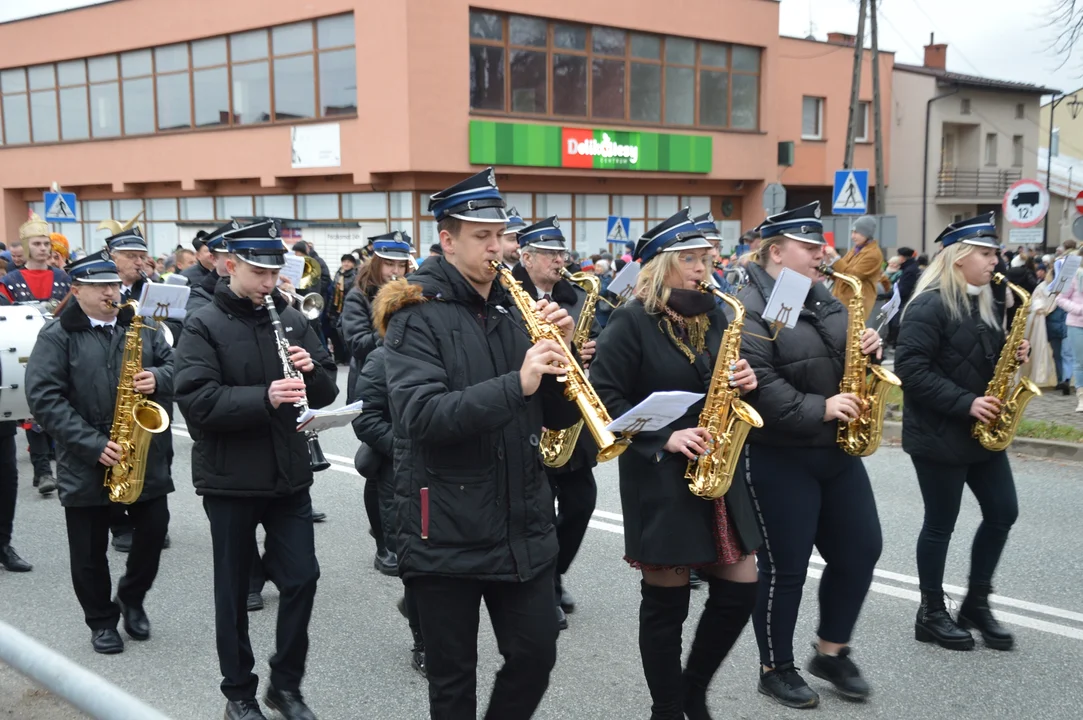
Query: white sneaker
point(1079, 405)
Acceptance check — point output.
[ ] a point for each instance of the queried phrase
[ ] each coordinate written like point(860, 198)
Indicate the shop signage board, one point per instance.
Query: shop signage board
point(501, 143)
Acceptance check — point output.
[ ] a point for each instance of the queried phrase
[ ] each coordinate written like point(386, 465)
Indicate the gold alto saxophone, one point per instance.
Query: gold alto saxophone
point(725, 415)
point(136, 420)
point(870, 383)
point(998, 434)
point(576, 387)
point(557, 445)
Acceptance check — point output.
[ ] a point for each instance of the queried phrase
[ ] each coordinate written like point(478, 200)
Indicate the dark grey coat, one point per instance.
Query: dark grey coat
point(358, 333)
point(664, 523)
point(71, 385)
point(799, 370)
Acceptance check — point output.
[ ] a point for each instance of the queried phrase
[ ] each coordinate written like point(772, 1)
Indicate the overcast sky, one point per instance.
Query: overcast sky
point(1003, 39)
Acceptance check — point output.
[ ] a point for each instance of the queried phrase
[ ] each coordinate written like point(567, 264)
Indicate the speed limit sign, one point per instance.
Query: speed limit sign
point(1026, 203)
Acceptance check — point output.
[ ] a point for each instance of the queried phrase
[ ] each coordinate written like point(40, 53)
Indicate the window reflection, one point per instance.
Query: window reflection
point(294, 80)
point(43, 116)
point(174, 110)
point(251, 93)
point(338, 83)
point(104, 110)
point(74, 123)
point(139, 106)
point(211, 96)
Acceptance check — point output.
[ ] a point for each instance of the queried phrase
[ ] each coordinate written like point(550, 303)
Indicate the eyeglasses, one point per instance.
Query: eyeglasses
point(691, 260)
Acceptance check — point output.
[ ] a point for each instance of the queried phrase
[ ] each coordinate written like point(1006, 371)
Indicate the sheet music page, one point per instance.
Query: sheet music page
point(293, 270)
point(159, 298)
point(625, 281)
point(787, 298)
point(655, 412)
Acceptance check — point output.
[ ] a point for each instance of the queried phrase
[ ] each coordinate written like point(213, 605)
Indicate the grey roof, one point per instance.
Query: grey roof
point(974, 81)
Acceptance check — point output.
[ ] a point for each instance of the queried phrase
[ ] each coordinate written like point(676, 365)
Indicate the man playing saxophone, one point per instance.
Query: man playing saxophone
point(541, 263)
point(469, 393)
point(72, 384)
point(950, 339)
point(667, 338)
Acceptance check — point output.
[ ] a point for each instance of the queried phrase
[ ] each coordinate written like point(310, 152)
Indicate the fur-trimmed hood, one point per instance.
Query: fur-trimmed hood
point(392, 297)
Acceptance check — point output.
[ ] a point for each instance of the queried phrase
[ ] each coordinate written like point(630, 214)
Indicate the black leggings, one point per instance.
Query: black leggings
point(942, 489)
point(805, 497)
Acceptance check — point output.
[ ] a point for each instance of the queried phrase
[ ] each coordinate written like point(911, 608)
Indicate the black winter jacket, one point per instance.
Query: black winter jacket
point(572, 298)
point(799, 370)
point(664, 523)
point(196, 272)
point(472, 498)
point(71, 385)
point(908, 279)
point(226, 359)
point(944, 364)
point(7, 429)
point(358, 334)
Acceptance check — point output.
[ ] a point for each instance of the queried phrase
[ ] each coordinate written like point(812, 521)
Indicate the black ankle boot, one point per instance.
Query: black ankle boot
point(975, 613)
point(417, 654)
point(935, 624)
point(725, 614)
point(662, 612)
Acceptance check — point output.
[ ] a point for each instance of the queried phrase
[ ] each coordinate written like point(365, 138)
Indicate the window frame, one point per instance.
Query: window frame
point(550, 50)
point(820, 102)
point(1019, 150)
point(316, 52)
point(863, 109)
point(990, 143)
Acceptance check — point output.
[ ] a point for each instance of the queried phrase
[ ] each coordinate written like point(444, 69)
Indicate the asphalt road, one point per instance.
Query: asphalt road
point(359, 659)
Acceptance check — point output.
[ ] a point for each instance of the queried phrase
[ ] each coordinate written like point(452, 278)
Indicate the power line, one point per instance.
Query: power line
point(937, 28)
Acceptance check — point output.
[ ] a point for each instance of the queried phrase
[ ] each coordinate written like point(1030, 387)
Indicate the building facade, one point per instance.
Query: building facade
point(959, 144)
point(345, 116)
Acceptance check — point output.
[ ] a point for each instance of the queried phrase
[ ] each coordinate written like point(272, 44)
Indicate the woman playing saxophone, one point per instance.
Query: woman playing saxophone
point(667, 338)
point(950, 339)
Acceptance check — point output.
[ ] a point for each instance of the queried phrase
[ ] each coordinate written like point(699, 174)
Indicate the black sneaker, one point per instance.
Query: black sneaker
point(562, 618)
point(45, 483)
point(785, 686)
point(840, 671)
point(122, 542)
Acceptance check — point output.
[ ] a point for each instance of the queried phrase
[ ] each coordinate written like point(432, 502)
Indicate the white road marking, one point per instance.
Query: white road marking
point(816, 572)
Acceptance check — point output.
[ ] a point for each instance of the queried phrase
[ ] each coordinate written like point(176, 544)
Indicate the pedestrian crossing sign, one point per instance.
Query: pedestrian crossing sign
point(59, 207)
point(617, 229)
point(851, 193)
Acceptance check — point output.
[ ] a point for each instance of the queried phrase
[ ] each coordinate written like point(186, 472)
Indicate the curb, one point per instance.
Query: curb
point(1032, 447)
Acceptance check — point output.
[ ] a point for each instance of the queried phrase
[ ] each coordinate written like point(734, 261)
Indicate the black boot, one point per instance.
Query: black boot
point(662, 612)
point(725, 614)
point(417, 653)
point(935, 624)
point(975, 613)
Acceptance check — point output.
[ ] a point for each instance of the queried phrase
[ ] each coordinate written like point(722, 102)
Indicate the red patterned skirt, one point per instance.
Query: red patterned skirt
point(725, 539)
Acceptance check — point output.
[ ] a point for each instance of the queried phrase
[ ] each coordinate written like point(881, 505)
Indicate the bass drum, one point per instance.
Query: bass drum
point(19, 327)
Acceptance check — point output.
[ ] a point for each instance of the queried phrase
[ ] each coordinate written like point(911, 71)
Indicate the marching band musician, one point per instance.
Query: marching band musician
point(40, 284)
point(9, 492)
point(71, 386)
point(204, 264)
point(805, 489)
point(541, 258)
point(950, 339)
point(470, 393)
point(251, 465)
point(706, 225)
point(509, 243)
point(390, 256)
point(129, 251)
point(345, 277)
point(666, 339)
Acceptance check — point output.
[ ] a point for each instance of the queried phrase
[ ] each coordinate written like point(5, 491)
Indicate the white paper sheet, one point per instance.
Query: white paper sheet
point(890, 309)
point(787, 298)
point(655, 412)
point(1067, 271)
point(625, 281)
point(293, 270)
point(157, 298)
point(326, 419)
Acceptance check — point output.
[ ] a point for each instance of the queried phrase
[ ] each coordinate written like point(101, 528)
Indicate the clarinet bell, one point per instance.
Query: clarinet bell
point(316, 461)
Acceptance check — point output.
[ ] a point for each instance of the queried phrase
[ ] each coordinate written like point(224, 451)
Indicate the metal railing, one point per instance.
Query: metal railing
point(82, 689)
point(976, 183)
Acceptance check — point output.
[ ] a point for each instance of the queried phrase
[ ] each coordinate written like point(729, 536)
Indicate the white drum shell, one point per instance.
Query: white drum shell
point(19, 327)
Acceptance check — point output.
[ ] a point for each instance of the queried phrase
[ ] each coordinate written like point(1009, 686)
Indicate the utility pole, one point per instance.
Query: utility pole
point(855, 86)
point(878, 137)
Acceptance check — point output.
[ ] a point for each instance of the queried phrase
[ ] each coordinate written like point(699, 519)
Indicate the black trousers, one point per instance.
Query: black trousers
point(576, 494)
point(526, 635)
point(88, 542)
point(1055, 344)
point(372, 510)
point(807, 497)
point(942, 490)
point(41, 451)
point(9, 488)
point(291, 561)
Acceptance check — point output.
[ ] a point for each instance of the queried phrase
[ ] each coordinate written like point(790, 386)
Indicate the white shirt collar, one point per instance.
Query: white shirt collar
point(101, 323)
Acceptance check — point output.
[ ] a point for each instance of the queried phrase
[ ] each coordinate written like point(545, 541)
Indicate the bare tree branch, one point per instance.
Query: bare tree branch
point(1066, 20)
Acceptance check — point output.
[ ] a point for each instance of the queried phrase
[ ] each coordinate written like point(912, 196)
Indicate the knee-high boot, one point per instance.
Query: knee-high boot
point(725, 614)
point(662, 612)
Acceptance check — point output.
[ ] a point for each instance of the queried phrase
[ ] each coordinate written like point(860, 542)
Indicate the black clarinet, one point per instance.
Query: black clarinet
point(316, 460)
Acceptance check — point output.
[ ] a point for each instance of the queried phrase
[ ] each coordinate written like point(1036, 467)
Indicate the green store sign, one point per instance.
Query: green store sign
point(500, 143)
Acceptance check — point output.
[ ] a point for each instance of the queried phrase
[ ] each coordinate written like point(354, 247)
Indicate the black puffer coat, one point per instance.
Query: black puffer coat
point(358, 333)
point(944, 365)
point(226, 359)
point(799, 370)
point(664, 523)
point(572, 298)
point(71, 385)
point(375, 457)
point(464, 432)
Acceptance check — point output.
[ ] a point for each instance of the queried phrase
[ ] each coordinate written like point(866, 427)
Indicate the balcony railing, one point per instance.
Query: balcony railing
point(976, 183)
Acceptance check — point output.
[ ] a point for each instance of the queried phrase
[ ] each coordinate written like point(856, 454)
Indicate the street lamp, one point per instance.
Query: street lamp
point(1074, 106)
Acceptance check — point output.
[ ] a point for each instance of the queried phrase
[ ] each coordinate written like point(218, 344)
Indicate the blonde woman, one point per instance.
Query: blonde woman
point(805, 489)
point(666, 339)
point(949, 341)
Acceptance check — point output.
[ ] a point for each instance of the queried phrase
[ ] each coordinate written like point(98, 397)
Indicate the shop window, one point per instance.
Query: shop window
point(523, 202)
point(359, 206)
point(276, 206)
point(161, 209)
point(318, 207)
point(233, 206)
point(660, 207)
point(401, 205)
point(548, 204)
point(197, 208)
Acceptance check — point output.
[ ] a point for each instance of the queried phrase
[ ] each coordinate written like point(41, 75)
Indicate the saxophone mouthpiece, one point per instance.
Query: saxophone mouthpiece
point(826, 270)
